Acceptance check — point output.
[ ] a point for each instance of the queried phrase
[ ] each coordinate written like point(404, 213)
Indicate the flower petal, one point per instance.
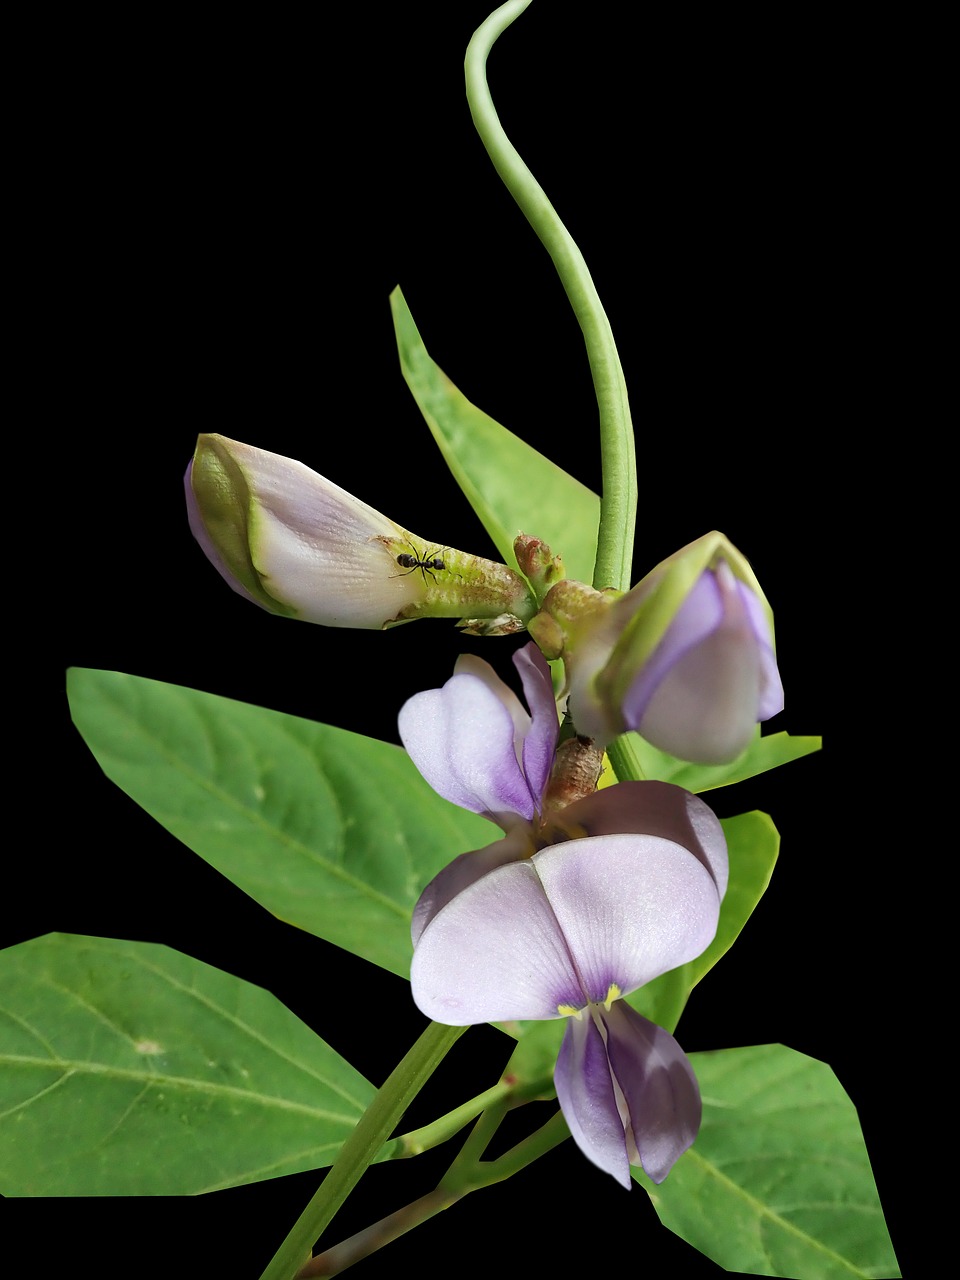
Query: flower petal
point(494, 953)
point(540, 742)
point(588, 1100)
point(297, 543)
point(461, 738)
point(655, 809)
point(629, 906)
point(771, 686)
point(658, 1086)
point(698, 695)
point(464, 871)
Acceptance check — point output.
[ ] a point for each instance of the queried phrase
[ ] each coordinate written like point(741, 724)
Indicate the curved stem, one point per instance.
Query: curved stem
point(362, 1147)
point(618, 507)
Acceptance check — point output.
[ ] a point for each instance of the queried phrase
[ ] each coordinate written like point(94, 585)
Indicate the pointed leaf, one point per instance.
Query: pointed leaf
point(762, 754)
point(778, 1182)
point(130, 1069)
point(752, 846)
point(331, 831)
point(513, 488)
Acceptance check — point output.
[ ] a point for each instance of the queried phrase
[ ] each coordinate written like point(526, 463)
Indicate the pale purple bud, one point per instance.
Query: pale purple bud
point(711, 678)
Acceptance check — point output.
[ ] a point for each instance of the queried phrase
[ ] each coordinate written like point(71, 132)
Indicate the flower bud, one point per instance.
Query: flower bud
point(685, 658)
point(296, 544)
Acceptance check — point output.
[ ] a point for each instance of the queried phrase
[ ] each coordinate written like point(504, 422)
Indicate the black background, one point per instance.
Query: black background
point(222, 211)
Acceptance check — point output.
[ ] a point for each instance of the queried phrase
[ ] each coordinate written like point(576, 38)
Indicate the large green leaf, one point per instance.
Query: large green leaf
point(329, 830)
point(762, 754)
point(513, 488)
point(778, 1182)
point(752, 844)
point(129, 1069)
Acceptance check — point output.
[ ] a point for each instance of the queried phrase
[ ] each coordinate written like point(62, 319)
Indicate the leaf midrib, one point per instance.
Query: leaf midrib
point(765, 1211)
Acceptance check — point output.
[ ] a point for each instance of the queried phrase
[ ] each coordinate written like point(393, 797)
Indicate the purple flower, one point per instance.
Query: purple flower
point(686, 658)
point(711, 678)
point(570, 911)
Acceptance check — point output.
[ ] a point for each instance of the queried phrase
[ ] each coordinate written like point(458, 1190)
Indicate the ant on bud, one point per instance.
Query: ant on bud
point(426, 565)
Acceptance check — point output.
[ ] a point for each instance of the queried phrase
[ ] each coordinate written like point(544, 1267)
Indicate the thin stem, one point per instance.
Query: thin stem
point(340, 1256)
point(467, 1173)
point(618, 507)
point(438, 1131)
point(547, 1137)
point(361, 1148)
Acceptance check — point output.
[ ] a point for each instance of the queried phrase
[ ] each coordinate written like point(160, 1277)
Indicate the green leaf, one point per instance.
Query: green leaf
point(513, 488)
point(752, 844)
point(331, 831)
point(130, 1069)
point(762, 754)
point(778, 1182)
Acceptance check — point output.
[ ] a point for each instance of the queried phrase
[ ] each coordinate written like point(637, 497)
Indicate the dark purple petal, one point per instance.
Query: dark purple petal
point(494, 953)
point(461, 738)
point(654, 809)
point(629, 906)
point(540, 742)
point(588, 1100)
point(658, 1085)
point(463, 871)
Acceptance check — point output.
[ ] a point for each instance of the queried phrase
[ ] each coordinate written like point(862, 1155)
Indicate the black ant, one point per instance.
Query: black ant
point(411, 562)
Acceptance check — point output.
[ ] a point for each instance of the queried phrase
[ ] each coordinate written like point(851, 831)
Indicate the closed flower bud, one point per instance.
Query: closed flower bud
point(299, 545)
point(686, 658)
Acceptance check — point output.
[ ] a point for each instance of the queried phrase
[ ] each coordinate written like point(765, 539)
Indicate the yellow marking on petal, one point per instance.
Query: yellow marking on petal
point(613, 993)
point(569, 1011)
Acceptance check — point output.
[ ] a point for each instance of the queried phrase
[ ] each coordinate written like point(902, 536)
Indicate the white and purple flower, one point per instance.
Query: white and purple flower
point(686, 657)
point(298, 545)
point(566, 914)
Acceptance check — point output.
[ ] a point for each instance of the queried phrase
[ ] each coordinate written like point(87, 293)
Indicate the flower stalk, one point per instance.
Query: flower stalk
point(362, 1147)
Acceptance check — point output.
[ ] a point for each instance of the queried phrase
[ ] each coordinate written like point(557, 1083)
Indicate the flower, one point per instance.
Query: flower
point(569, 912)
point(686, 658)
point(476, 745)
point(298, 545)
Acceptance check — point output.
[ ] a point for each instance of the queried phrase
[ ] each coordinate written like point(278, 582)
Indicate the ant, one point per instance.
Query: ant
point(411, 562)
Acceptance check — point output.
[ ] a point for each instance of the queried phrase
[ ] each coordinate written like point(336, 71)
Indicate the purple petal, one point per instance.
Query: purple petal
point(658, 1085)
point(469, 664)
point(540, 742)
point(629, 906)
point(698, 696)
point(461, 738)
point(698, 616)
point(588, 1100)
point(771, 686)
point(494, 953)
point(655, 809)
point(464, 871)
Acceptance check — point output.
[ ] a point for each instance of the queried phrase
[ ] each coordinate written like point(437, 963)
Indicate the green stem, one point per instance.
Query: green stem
point(547, 1137)
point(362, 1147)
point(467, 1173)
point(623, 756)
point(432, 1135)
point(618, 508)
